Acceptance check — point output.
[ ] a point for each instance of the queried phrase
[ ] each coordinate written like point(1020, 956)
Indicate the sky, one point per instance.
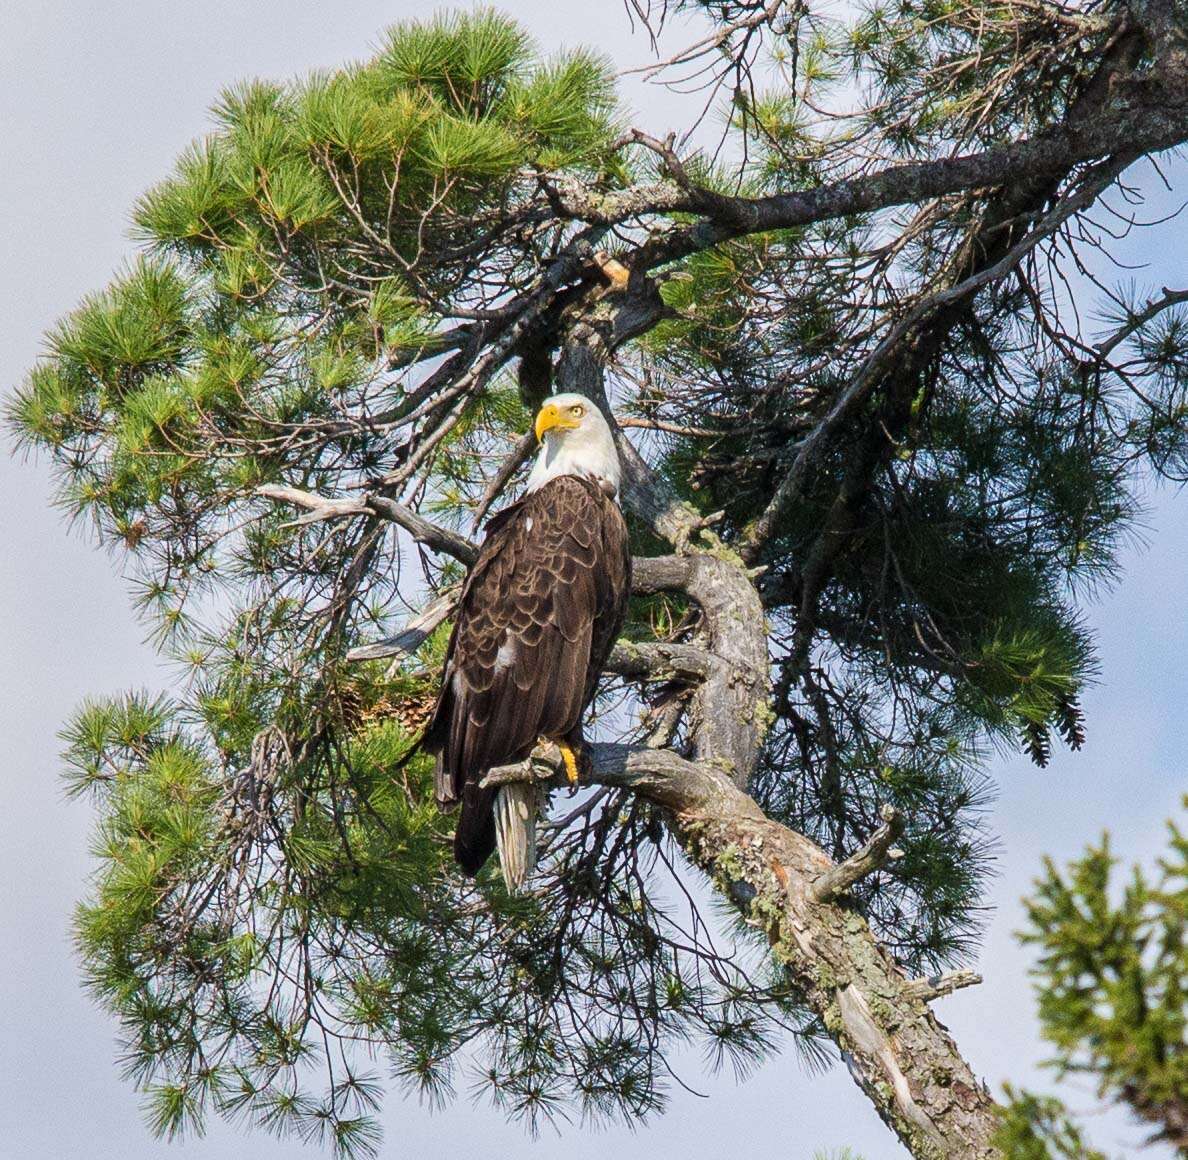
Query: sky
point(96, 100)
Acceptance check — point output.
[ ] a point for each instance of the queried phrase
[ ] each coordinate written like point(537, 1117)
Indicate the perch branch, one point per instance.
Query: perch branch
point(898, 1053)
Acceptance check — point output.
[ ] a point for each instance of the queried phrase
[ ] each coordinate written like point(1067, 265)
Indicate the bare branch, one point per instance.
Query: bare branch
point(431, 535)
point(317, 507)
point(520, 453)
point(413, 634)
point(1137, 128)
point(873, 854)
point(937, 986)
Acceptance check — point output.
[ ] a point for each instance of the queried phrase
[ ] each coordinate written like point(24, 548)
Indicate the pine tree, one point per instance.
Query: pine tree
point(1110, 979)
point(878, 458)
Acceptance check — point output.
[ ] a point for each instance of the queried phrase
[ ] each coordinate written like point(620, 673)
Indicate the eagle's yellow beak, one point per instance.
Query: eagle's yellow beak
point(550, 416)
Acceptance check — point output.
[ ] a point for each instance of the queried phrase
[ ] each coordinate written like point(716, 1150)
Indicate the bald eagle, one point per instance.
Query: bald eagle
point(538, 616)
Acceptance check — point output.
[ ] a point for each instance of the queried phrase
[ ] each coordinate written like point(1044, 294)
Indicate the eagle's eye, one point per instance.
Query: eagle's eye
point(577, 410)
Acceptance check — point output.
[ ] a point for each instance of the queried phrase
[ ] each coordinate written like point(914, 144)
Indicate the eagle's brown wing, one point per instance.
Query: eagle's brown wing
point(538, 616)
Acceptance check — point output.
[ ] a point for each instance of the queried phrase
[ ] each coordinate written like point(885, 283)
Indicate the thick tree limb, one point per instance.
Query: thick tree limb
point(900, 1056)
point(658, 661)
point(1155, 122)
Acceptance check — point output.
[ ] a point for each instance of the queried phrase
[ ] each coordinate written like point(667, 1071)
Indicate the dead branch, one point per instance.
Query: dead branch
point(872, 855)
point(319, 508)
point(937, 986)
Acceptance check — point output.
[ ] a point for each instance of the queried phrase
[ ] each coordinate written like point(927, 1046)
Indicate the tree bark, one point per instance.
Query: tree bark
point(899, 1055)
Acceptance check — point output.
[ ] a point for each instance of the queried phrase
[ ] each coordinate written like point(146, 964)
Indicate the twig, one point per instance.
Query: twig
point(1139, 319)
point(507, 469)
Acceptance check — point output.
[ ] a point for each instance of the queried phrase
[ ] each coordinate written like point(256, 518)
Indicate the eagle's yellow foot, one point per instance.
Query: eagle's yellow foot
point(571, 761)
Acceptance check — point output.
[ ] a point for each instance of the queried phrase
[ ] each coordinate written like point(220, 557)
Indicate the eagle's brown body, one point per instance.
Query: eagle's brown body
point(539, 614)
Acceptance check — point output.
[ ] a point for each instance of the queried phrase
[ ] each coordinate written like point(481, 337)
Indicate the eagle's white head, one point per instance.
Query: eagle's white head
point(575, 439)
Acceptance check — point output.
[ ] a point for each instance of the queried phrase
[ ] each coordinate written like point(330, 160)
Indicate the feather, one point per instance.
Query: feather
point(515, 832)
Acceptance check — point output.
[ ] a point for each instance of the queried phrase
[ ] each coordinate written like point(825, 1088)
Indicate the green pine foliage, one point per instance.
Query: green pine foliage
point(1038, 1128)
point(1110, 979)
point(275, 920)
point(253, 927)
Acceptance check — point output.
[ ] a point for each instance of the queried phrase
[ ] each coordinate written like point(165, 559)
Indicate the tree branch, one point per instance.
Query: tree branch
point(658, 661)
point(319, 508)
point(1155, 123)
point(431, 535)
point(519, 454)
point(902, 1058)
point(1139, 319)
point(872, 855)
point(413, 634)
point(937, 986)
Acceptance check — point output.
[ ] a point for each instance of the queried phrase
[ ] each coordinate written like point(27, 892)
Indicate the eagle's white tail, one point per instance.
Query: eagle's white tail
point(515, 832)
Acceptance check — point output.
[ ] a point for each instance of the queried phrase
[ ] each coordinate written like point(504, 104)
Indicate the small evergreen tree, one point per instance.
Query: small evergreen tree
point(1111, 977)
point(881, 450)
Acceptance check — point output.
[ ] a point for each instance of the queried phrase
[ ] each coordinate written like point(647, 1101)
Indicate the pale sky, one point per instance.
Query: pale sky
point(96, 100)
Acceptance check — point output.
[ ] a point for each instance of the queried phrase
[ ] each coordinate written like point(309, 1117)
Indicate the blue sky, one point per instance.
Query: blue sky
point(95, 102)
